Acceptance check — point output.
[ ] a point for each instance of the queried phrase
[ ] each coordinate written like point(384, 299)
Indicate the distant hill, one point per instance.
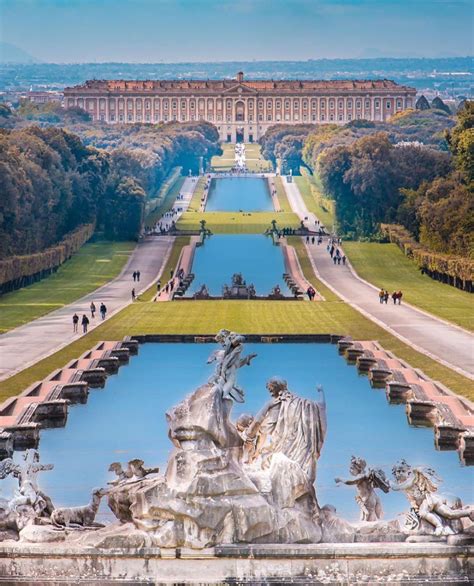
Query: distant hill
point(12, 54)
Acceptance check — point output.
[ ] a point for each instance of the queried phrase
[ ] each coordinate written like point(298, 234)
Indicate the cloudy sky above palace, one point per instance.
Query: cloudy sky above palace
point(225, 30)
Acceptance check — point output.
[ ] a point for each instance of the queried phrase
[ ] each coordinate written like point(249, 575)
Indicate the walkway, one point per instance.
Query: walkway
point(444, 342)
point(26, 345)
point(179, 205)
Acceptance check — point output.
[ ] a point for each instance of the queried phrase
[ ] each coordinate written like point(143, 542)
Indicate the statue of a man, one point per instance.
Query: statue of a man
point(420, 485)
point(28, 492)
point(290, 425)
point(228, 363)
point(366, 481)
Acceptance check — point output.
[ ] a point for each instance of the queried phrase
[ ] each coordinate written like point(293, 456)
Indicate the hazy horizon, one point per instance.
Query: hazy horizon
point(196, 31)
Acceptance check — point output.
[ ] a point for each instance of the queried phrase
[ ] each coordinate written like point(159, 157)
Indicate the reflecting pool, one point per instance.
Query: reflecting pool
point(253, 255)
point(126, 419)
point(233, 194)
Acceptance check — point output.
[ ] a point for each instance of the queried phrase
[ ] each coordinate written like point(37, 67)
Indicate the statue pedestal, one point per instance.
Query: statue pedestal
point(393, 563)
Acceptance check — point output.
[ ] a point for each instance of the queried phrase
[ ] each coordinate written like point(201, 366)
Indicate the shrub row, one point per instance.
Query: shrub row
point(16, 269)
point(455, 270)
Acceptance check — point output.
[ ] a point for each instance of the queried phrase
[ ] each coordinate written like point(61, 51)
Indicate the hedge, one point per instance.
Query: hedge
point(455, 270)
point(16, 271)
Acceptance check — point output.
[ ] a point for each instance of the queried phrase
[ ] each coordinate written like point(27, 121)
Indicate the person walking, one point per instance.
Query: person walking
point(75, 321)
point(103, 310)
point(134, 275)
point(394, 297)
point(386, 296)
point(381, 295)
point(93, 310)
point(138, 275)
point(85, 323)
point(399, 297)
point(133, 294)
point(343, 259)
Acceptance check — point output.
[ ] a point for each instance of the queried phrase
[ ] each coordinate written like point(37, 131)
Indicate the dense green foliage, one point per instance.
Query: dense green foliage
point(283, 144)
point(365, 179)
point(54, 180)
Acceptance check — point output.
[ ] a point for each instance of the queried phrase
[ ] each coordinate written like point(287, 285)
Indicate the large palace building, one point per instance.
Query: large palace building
point(242, 110)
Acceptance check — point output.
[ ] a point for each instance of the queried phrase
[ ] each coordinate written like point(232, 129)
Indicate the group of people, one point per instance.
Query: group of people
point(396, 296)
point(335, 252)
point(85, 320)
point(169, 287)
point(313, 239)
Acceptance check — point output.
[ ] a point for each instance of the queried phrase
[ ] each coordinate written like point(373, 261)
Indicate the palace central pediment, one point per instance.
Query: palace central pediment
point(240, 89)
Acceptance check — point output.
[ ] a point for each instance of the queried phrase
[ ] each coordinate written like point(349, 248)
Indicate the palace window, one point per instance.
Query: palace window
point(323, 104)
point(201, 104)
point(165, 104)
point(278, 117)
point(296, 104)
point(250, 117)
point(287, 116)
point(139, 105)
point(341, 104)
point(157, 117)
point(359, 104)
point(192, 104)
point(340, 117)
point(165, 117)
point(229, 104)
point(367, 104)
point(91, 105)
point(147, 117)
point(183, 104)
point(388, 105)
point(70, 102)
point(399, 103)
point(377, 104)
point(278, 104)
point(305, 104)
point(251, 105)
point(331, 104)
point(313, 117)
point(210, 105)
point(269, 104)
point(331, 117)
point(229, 118)
point(130, 118)
point(260, 117)
point(322, 118)
point(147, 104)
point(157, 104)
point(112, 104)
point(210, 117)
point(174, 118)
point(269, 117)
point(139, 118)
point(305, 117)
point(102, 117)
point(174, 105)
point(102, 103)
point(219, 117)
point(296, 116)
point(112, 118)
point(350, 116)
point(287, 104)
point(80, 103)
point(349, 104)
point(120, 117)
point(314, 104)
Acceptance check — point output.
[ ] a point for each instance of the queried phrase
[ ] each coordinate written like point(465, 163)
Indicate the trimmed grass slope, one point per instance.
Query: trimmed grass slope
point(384, 265)
point(91, 267)
point(237, 222)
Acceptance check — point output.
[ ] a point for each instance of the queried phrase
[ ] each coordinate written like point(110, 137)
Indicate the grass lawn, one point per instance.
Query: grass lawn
point(255, 161)
point(237, 222)
point(312, 192)
point(386, 266)
point(91, 267)
point(282, 197)
point(195, 203)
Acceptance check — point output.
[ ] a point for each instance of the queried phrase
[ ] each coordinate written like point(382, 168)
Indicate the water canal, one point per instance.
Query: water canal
point(233, 194)
point(253, 255)
point(126, 419)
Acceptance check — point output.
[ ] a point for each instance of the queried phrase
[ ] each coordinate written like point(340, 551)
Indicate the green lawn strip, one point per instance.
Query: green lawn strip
point(349, 321)
point(93, 265)
point(254, 159)
point(195, 203)
point(166, 204)
point(312, 194)
point(237, 222)
point(385, 265)
point(281, 195)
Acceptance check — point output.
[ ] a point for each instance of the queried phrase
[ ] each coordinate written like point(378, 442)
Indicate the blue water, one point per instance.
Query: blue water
point(253, 255)
point(126, 419)
point(233, 194)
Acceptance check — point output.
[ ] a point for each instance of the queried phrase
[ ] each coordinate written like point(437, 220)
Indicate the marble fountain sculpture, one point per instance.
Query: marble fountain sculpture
point(252, 481)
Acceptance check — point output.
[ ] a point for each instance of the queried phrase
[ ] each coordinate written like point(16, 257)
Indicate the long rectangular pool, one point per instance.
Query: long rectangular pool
point(233, 194)
point(126, 420)
point(253, 255)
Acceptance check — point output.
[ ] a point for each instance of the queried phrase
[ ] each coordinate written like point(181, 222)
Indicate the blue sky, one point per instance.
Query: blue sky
point(224, 30)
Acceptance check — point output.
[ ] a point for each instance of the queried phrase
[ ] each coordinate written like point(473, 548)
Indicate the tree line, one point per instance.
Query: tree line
point(63, 172)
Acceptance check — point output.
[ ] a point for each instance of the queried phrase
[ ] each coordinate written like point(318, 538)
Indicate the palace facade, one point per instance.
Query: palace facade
point(241, 110)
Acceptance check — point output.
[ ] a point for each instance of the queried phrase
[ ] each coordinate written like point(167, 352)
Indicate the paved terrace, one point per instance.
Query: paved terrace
point(36, 340)
point(445, 342)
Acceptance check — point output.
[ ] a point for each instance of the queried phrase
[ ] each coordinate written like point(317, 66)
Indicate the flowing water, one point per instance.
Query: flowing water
point(126, 420)
point(233, 194)
point(253, 255)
